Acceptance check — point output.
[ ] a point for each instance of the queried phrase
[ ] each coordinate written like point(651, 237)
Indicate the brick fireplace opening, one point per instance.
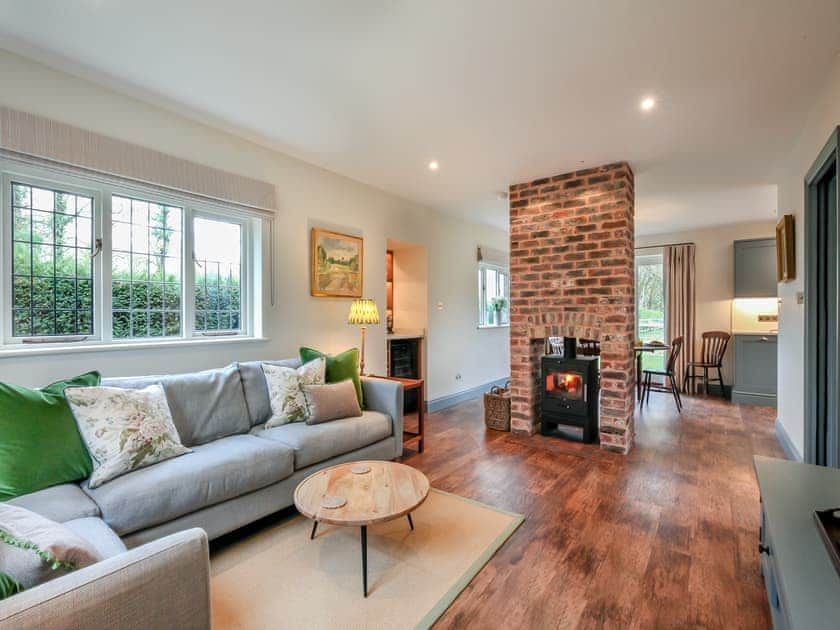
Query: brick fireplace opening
point(572, 275)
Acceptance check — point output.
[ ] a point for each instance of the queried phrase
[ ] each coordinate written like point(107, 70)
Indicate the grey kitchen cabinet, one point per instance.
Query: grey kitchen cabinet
point(755, 268)
point(803, 588)
point(755, 369)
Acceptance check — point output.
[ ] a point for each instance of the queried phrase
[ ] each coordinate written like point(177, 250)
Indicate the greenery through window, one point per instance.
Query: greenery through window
point(493, 295)
point(92, 260)
point(145, 268)
point(52, 276)
point(218, 275)
point(650, 305)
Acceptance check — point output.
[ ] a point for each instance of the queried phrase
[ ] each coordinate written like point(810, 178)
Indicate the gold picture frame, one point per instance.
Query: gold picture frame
point(336, 264)
point(785, 252)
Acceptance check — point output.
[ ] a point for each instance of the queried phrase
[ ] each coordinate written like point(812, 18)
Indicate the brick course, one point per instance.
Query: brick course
point(572, 274)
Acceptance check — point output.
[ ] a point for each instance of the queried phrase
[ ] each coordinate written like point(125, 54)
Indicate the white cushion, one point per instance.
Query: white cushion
point(124, 429)
point(285, 390)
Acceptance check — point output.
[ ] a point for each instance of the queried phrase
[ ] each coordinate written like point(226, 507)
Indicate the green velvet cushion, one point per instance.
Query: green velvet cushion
point(339, 368)
point(40, 445)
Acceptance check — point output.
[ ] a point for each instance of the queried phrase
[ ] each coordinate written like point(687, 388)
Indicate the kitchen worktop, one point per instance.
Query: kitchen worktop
point(406, 334)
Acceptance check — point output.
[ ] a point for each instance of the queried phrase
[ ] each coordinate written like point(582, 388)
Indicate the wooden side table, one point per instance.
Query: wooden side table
point(409, 437)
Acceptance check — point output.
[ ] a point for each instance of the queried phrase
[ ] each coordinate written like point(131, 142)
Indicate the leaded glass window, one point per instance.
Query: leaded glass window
point(52, 271)
point(145, 268)
point(218, 275)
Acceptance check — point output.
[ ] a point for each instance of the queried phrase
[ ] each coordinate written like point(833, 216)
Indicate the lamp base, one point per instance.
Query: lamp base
point(362, 354)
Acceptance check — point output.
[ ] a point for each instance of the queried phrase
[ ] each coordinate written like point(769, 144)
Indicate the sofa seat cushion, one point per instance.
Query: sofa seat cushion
point(212, 473)
point(59, 503)
point(101, 537)
point(319, 442)
point(205, 406)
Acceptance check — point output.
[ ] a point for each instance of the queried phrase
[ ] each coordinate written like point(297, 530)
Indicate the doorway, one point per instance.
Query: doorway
point(822, 432)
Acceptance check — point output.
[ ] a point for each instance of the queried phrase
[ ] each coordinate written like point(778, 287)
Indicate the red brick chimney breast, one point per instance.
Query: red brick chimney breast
point(572, 274)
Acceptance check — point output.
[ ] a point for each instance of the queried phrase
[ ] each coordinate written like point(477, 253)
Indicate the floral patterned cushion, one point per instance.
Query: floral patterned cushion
point(285, 390)
point(124, 429)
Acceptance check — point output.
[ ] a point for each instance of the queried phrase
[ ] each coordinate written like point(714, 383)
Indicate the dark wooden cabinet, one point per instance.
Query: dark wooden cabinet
point(755, 268)
point(405, 360)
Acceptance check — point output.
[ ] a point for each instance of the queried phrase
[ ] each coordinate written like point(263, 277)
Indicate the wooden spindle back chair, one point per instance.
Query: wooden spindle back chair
point(712, 349)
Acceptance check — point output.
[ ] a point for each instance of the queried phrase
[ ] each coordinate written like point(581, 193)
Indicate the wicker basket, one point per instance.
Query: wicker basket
point(497, 408)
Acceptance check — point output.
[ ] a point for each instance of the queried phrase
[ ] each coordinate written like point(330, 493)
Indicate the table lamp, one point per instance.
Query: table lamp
point(363, 312)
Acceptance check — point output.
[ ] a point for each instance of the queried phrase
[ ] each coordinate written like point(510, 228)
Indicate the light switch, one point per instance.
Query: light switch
point(800, 297)
point(440, 306)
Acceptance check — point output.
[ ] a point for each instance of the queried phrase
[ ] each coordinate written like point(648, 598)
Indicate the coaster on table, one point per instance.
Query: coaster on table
point(360, 469)
point(332, 501)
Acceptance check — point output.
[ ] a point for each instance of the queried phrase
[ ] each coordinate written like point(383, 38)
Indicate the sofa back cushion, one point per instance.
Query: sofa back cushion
point(256, 390)
point(205, 406)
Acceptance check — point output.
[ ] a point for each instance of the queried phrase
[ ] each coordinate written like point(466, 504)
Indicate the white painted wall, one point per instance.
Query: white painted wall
point(307, 196)
point(715, 283)
point(817, 126)
point(411, 280)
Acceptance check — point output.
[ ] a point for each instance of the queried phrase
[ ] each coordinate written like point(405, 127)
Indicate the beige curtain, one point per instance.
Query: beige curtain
point(680, 301)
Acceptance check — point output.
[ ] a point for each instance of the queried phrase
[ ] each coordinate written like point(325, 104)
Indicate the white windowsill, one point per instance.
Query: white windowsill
point(492, 326)
point(20, 350)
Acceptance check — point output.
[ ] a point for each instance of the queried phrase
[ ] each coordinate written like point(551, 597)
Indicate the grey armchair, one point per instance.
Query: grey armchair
point(163, 584)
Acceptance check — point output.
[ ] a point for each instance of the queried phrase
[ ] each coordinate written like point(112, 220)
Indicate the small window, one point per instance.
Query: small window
point(650, 305)
point(493, 295)
point(145, 268)
point(52, 273)
point(218, 276)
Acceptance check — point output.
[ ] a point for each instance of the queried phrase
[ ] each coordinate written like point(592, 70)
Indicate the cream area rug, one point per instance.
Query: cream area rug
point(278, 578)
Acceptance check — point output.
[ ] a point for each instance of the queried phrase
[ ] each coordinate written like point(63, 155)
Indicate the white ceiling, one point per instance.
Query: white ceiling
point(497, 91)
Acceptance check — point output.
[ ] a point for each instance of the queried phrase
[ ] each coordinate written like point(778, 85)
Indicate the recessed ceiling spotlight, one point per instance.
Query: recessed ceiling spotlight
point(648, 104)
point(433, 165)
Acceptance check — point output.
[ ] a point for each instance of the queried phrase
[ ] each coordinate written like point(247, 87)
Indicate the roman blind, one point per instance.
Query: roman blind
point(492, 256)
point(32, 138)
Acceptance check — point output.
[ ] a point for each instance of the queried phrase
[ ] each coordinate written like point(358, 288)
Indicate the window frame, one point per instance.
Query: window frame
point(482, 292)
point(135, 194)
point(642, 253)
point(27, 177)
point(102, 188)
point(246, 275)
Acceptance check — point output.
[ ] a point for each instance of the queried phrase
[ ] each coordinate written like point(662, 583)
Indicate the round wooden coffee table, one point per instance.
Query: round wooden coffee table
point(385, 492)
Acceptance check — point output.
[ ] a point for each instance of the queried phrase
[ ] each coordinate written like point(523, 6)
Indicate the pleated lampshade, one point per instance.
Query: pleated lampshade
point(363, 312)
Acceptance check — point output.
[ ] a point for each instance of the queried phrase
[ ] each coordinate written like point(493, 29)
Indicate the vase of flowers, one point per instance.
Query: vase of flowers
point(497, 305)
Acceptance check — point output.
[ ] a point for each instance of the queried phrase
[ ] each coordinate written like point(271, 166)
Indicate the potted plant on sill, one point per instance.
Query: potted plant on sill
point(497, 305)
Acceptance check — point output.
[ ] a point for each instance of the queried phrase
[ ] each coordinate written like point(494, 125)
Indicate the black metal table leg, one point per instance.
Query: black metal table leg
point(364, 558)
point(410, 522)
point(314, 529)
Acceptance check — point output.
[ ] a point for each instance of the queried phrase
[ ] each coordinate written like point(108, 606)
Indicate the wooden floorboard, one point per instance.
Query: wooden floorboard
point(665, 537)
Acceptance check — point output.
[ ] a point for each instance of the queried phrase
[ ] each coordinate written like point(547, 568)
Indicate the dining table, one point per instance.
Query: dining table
point(639, 349)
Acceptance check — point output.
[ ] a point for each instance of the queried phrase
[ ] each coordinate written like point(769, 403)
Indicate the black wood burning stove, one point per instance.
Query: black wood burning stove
point(569, 398)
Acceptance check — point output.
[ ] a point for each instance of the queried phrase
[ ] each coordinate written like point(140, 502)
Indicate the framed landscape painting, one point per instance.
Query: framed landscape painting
point(337, 261)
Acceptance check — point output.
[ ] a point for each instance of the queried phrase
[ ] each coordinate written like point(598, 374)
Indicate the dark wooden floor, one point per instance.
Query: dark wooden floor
point(663, 538)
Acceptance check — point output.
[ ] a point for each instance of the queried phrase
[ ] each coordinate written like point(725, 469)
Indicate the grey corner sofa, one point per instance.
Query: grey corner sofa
point(153, 525)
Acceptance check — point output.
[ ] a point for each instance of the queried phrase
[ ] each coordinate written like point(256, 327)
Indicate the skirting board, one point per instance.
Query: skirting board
point(468, 394)
point(787, 444)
